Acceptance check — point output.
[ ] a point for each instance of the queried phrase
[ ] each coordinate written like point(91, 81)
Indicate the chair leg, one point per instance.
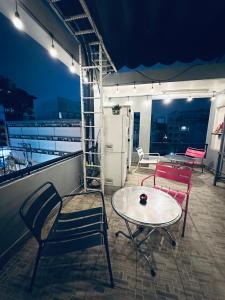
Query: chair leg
point(108, 259)
point(184, 223)
point(136, 167)
point(35, 270)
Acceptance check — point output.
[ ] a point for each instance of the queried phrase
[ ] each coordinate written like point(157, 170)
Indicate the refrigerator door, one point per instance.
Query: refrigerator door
point(115, 169)
point(117, 146)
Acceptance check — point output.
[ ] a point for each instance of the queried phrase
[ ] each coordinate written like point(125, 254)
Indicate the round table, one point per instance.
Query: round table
point(160, 211)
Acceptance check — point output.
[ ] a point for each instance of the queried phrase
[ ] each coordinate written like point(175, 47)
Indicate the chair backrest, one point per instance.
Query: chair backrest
point(195, 153)
point(140, 152)
point(37, 207)
point(172, 172)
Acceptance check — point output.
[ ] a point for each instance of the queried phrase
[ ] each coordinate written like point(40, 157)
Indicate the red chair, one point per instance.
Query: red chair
point(175, 174)
point(198, 156)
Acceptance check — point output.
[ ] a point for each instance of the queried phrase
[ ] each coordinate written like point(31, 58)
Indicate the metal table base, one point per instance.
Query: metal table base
point(133, 237)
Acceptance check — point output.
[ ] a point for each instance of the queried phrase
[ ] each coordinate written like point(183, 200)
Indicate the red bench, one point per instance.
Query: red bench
point(198, 156)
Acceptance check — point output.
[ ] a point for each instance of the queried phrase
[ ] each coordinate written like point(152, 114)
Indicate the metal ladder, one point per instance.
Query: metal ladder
point(83, 28)
point(92, 121)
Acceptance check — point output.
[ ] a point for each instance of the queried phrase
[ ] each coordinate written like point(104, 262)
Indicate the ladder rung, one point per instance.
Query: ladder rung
point(97, 60)
point(93, 153)
point(89, 140)
point(94, 43)
point(76, 17)
point(94, 166)
point(91, 97)
point(90, 177)
point(91, 126)
point(92, 112)
point(91, 189)
point(90, 67)
point(83, 32)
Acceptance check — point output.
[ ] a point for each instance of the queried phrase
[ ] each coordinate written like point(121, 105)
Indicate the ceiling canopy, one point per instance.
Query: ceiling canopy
point(146, 32)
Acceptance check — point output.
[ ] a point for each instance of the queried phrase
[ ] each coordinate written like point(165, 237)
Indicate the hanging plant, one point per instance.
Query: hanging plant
point(116, 109)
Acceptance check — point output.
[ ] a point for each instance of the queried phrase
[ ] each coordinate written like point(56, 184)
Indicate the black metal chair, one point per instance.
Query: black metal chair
point(70, 231)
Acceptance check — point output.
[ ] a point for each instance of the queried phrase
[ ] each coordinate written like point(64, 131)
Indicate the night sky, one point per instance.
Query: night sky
point(159, 109)
point(31, 68)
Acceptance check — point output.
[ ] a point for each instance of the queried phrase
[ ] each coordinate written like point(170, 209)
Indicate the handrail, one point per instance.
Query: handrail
point(26, 171)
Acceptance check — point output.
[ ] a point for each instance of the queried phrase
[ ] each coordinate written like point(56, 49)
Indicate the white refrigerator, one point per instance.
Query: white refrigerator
point(118, 135)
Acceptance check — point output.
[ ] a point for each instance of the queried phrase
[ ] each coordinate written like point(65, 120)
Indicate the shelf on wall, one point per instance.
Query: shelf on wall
point(217, 133)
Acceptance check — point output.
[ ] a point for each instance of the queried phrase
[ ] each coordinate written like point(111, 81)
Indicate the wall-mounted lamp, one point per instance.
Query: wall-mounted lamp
point(52, 50)
point(16, 20)
point(213, 98)
point(117, 88)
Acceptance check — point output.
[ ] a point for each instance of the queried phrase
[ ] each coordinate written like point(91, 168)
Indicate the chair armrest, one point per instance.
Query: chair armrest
point(152, 153)
point(89, 193)
point(143, 180)
point(179, 153)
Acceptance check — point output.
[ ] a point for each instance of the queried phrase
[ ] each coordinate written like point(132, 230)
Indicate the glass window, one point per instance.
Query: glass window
point(185, 123)
point(136, 130)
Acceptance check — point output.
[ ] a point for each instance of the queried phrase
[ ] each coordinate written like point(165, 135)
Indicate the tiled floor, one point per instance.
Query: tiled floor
point(195, 269)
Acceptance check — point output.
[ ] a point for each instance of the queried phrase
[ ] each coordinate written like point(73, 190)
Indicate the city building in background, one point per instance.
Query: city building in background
point(17, 103)
point(60, 108)
point(179, 126)
point(33, 142)
point(23, 140)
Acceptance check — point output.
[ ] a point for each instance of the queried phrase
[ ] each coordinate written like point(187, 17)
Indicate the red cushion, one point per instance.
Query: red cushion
point(179, 196)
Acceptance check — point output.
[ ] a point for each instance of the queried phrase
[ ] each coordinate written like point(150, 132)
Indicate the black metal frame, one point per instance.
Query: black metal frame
point(39, 211)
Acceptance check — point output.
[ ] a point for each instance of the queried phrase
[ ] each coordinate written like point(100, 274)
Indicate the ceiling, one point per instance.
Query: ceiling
point(147, 32)
point(176, 90)
point(134, 32)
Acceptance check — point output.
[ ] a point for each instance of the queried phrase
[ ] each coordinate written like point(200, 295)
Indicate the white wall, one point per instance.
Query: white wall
point(142, 104)
point(217, 113)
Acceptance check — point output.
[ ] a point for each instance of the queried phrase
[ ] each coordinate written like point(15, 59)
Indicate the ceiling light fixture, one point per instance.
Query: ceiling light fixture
point(16, 20)
point(213, 98)
point(168, 100)
point(189, 99)
point(72, 67)
point(52, 50)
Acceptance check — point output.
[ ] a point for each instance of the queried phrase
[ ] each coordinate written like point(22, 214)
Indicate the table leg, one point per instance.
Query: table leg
point(173, 242)
point(132, 236)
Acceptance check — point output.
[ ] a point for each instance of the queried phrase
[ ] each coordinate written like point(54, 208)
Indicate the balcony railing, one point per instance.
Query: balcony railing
point(64, 172)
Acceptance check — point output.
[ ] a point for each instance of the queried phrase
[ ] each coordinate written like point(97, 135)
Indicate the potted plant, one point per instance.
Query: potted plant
point(116, 109)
